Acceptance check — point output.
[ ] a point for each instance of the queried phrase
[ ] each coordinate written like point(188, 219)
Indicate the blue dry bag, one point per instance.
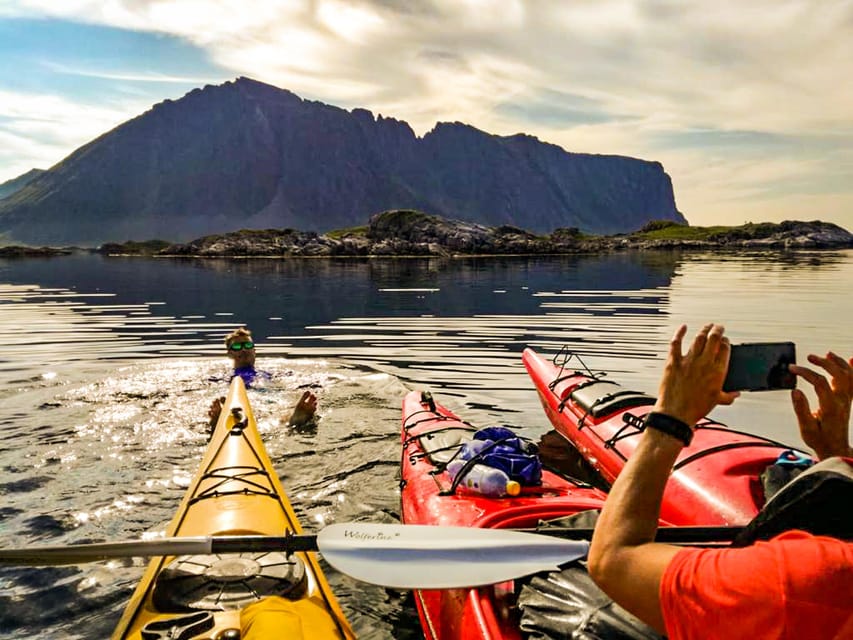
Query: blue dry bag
point(502, 449)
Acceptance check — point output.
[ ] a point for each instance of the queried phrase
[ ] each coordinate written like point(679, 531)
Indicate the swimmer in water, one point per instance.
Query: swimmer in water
point(241, 350)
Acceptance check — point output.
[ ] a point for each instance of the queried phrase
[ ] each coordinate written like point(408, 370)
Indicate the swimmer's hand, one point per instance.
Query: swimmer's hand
point(214, 411)
point(304, 411)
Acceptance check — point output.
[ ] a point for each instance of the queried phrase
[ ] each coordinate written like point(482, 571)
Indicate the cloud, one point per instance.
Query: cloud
point(730, 188)
point(131, 77)
point(556, 109)
point(350, 22)
point(34, 127)
point(766, 65)
point(703, 87)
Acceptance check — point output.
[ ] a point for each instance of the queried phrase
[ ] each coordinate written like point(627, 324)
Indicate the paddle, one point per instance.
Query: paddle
point(398, 556)
point(390, 555)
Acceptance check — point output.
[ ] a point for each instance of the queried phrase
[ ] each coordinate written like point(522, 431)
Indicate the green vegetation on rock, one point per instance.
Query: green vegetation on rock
point(668, 230)
point(337, 234)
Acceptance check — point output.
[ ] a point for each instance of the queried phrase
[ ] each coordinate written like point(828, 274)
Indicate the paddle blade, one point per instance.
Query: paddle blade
point(426, 557)
point(80, 553)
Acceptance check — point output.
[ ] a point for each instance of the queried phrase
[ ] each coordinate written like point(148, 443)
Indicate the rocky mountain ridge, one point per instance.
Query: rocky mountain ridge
point(249, 155)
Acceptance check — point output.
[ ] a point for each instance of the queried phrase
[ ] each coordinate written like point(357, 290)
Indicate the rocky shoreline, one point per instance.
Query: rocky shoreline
point(17, 251)
point(412, 233)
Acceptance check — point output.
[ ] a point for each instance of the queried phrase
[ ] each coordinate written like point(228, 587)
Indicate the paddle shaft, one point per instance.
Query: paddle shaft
point(261, 544)
point(200, 545)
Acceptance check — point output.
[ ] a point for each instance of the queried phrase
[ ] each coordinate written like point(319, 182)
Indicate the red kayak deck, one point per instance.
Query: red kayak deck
point(715, 480)
point(431, 435)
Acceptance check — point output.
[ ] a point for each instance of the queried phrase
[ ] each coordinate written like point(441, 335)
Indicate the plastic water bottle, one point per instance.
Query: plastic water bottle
point(485, 480)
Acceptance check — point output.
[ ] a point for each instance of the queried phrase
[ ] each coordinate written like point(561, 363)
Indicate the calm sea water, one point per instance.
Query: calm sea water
point(107, 365)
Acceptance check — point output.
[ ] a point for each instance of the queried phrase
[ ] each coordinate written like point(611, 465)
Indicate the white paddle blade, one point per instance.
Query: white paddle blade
point(426, 557)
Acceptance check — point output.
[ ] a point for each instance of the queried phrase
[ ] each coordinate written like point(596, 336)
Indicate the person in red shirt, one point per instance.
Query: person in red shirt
point(795, 585)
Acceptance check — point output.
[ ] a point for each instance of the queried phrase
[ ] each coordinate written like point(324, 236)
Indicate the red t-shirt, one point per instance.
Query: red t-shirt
point(795, 586)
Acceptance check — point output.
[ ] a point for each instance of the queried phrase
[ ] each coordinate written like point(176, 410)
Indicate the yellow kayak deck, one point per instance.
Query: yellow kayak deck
point(251, 596)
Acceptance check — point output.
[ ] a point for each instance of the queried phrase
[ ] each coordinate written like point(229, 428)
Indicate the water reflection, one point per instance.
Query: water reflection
point(105, 394)
point(312, 291)
point(799, 259)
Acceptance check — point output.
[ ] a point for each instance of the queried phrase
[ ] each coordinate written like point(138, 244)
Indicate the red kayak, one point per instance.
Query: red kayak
point(431, 435)
point(715, 480)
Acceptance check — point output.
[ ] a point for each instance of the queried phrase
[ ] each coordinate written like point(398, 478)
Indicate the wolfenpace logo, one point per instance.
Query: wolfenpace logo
point(370, 536)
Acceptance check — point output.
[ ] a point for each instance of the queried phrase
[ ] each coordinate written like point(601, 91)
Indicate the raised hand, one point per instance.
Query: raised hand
point(214, 410)
point(827, 428)
point(304, 410)
point(692, 384)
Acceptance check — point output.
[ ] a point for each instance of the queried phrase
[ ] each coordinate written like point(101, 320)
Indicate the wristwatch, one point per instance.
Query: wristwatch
point(670, 426)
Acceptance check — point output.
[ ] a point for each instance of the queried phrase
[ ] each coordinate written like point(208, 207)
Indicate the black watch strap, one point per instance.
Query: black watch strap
point(670, 426)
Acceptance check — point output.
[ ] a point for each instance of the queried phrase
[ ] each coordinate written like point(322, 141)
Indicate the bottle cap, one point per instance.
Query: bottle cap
point(513, 488)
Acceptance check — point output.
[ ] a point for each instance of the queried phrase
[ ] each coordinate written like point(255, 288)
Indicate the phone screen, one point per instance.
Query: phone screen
point(761, 366)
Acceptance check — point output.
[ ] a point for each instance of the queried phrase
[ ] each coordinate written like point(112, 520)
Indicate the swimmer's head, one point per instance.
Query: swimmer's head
point(241, 347)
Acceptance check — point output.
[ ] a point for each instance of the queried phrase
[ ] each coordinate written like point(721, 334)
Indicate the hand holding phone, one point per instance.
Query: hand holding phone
point(761, 366)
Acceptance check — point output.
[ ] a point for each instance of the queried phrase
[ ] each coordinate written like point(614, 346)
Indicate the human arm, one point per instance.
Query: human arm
point(827, 428)
point(624, 559)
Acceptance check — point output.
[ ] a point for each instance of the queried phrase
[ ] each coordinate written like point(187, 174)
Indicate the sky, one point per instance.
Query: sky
point(748, 104)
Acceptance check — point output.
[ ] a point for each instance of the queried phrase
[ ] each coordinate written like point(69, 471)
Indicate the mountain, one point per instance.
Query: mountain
point(249, 155)
point(16, 184)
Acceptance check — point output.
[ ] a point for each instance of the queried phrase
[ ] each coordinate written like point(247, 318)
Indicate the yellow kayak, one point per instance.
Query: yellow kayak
point(251, 596)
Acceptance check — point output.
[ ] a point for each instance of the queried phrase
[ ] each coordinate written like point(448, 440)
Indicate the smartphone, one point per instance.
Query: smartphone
point(761, 366)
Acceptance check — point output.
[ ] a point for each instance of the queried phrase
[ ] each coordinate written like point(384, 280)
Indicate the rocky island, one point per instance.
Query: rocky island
point(19, 251)
point(414, 233)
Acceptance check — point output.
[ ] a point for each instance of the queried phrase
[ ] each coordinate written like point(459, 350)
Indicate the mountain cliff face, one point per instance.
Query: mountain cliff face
point(249, 155)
